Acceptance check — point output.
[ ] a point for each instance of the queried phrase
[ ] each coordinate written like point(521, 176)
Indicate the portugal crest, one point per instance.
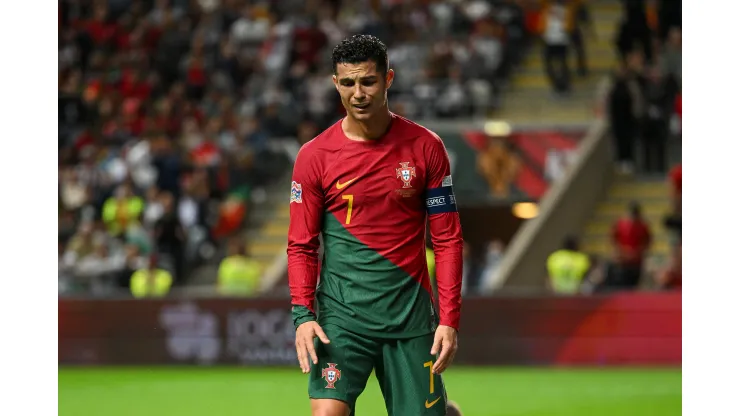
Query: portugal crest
point(406, 172)
point(331, 374)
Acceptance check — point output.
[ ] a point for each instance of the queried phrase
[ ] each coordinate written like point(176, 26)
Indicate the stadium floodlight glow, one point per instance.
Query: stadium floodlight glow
point(525, 210)
point(497, 128)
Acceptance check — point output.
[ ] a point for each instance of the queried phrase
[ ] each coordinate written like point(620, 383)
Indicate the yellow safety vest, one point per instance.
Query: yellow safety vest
point(431, 265)
point(566, 270)
point(239, 276)
point(144, 285)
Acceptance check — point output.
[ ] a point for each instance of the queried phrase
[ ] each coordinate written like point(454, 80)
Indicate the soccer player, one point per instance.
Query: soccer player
point(368, 185)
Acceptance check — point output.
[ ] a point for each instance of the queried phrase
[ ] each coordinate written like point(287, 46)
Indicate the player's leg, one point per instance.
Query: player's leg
point(406, 379)
point(453, 409)
point(340, 376)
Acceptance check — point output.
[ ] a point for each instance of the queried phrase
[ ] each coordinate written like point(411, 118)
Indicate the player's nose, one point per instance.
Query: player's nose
point(359, 94)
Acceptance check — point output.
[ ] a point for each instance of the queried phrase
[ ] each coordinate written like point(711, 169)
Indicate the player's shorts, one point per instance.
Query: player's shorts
point(403, 368)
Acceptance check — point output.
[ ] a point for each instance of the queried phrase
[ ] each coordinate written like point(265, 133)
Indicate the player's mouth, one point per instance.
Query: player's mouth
point(361, 107)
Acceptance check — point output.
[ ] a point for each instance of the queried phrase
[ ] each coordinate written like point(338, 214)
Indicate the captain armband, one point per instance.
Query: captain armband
point(439, 200)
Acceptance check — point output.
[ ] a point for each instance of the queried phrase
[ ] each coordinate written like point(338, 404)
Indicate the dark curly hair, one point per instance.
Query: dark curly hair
point(361, 48)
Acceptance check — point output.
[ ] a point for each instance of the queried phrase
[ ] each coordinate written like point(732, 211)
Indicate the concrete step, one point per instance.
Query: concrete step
point(275, 229)
point(547, 100)
point(604, 248)
point(537, 79)
point(651, 208)
point(261, 239)
point(654, 219)
point(603, 228)
point(647, 193)
point(281, 213)
point(595, 70)
point(264, 248)
point(545, 115)
point(658, 234)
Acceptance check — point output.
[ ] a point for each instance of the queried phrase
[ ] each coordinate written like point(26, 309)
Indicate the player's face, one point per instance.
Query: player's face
point(362, 88)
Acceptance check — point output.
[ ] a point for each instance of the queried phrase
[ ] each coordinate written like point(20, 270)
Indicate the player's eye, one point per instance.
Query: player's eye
point(347, 83)
point(369, 82)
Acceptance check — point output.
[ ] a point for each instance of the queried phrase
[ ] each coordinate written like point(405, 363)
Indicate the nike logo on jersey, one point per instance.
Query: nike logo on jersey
point(344, 185)
point(429, 404)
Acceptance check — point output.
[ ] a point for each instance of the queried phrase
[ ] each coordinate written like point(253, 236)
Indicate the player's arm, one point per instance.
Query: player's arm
point(447, 242)
point(306, 207)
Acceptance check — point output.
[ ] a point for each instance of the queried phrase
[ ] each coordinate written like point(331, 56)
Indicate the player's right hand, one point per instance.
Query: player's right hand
point(304, 335)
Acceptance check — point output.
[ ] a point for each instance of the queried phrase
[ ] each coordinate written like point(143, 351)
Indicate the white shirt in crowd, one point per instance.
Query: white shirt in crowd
point(555, 32)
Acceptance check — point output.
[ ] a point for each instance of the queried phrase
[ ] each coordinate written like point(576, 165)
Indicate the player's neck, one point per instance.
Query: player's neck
point(371, 129)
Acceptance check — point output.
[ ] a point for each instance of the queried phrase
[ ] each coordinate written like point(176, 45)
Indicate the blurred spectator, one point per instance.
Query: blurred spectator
point(675, 179)
point(133, 261)
point(673, 220)
point(669, 17)
point(490, 276)
point(557, 22)
point(64, 277)
point(671, 56)
point(567, 268)
point(153, 208)
point(594, 280)
point(670, 277)
point(625, 108)
point(660, 93)
point(467, 277)
point(677, 114)
point(581, 22)
point(238, 275)
point(121, 210)
point(96, 271)
point(635, 31)
point(170, 235)
point(151, 281)
point(631, 238)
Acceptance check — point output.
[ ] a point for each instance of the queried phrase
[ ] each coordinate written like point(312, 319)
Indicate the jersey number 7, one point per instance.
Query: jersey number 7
point(350, 199)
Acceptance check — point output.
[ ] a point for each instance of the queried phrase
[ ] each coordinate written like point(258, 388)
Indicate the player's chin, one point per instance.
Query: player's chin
point(362, 112)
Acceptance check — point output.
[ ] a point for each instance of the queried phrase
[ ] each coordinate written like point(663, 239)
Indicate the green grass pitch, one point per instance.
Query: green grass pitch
point(264, 391)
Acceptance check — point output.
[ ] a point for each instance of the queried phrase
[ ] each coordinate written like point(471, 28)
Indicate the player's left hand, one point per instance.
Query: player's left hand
point(445, 339)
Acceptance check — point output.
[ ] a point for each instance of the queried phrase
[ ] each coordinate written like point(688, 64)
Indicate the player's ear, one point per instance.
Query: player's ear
point(336, 81)
point(389, 78)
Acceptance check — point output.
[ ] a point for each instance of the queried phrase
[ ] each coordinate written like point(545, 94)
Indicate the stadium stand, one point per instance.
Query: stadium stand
point(178, 120)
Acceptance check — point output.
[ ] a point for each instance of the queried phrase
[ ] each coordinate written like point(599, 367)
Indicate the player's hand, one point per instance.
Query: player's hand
point(445, 343)
point(304, 335)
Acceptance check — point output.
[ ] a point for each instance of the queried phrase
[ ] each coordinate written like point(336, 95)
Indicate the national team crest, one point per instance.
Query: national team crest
point(331, 374)
point(406, 173)
point(296, 193)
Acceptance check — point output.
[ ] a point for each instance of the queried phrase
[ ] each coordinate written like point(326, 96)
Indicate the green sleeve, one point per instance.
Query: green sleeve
point(302, 314)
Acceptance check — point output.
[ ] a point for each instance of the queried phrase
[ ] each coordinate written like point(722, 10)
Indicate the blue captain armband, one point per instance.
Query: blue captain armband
point(439, 200)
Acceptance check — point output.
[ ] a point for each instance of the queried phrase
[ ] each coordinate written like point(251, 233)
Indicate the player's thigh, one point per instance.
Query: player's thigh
point(406, 379)
point(344, 366)
point(329, 407)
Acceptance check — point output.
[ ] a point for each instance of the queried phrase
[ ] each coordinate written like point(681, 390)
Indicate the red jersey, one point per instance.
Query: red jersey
point(676, 177)
point(370, 201)
point(632, 238)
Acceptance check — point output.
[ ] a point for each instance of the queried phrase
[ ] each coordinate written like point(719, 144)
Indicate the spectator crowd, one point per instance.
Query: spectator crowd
point(643, 107)
point(645, 97)
point(170, 112)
